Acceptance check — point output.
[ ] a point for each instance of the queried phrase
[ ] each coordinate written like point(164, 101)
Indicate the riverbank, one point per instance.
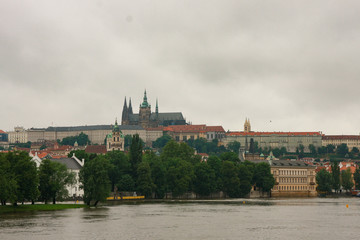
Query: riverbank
point(38, 207)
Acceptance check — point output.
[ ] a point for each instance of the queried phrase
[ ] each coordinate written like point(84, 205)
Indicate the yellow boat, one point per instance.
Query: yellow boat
point(126, 198)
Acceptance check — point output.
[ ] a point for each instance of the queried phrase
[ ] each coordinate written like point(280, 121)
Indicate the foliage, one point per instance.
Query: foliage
point(324, 181)
point(231, 181)
point(82, 139)
point(119, 166)
point(342, 149)
point(357, 178)
point(23, 145)
point(205, 179)
point(245, 177)
point(126, 183)
point(135, 155)
point(234, 147)
point(355, 150)
point(144, 181)
point(161, 141)
point(347, 180)
point(95, 180)
point(81, 154)
point(230, 156)
point(8, 184)
point(335, 174)
point(179, 177)
point(263, 178)
point(54, 177)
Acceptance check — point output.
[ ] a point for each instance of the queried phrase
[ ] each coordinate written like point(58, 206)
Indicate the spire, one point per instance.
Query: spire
point(157, 107)
point(116, 127)
point(125, 113)
point(145, 102)
point(130, 107)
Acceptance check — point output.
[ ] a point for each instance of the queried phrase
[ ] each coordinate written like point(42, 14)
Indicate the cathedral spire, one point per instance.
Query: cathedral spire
point(145, 102)
point(125, 114)
point(130, 107)
point(157, 107)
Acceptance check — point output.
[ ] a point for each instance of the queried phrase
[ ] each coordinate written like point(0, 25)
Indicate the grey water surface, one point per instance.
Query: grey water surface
point(315, 218)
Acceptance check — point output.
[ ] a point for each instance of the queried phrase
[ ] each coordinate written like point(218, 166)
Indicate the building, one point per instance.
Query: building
point(147, 119)
point(115, 140)
point(3, 136)
point(152, 134)
point(350, 140)
point(19, 135)
point(247, 126)
point(74, 165)
point(293, 179)
point(96, 133)
point(182, 133)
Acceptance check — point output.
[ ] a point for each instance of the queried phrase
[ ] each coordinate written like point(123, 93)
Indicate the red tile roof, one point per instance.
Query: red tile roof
point(214, 129)
point(100, 149)
point(186, 128)
point(341, 137)
point(1, 131)
point(273, 133)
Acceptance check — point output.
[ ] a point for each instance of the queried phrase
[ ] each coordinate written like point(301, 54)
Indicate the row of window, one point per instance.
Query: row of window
point(291, 172)
point(294, 188)
point(292, 180)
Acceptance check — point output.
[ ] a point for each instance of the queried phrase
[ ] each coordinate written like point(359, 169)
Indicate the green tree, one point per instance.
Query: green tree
point(324, 181)
point(81, 154)
point(126, 183)
point(231, 181)
point(179, 177)
point(144, 181)
point(234, 147)
point(95, 180)
point(312, 149)
point(355, 150)
point(342, 149)
point(357, 178)
point(119, 166)
point(54, 177)
point(158, 173)
point(245, 177)
point(215, 164)
point(335, 174)
point(205, 179)
point(263, 178)
point(230, 156)
point(135, 155)
point(347, 180)
point(8, 184)
point(252, 146)
point(161, 141)
point(82, 139)
point(330, 148)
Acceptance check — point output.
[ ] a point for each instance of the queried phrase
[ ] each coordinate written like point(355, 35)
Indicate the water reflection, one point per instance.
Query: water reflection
point(207, 219)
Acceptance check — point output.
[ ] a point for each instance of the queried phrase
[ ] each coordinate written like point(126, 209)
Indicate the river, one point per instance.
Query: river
point(315, 218)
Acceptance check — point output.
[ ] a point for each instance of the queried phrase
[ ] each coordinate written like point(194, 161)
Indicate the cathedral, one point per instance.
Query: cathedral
point(147, 119)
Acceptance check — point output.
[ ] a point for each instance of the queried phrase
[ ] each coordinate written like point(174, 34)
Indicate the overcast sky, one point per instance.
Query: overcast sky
point(286, 65)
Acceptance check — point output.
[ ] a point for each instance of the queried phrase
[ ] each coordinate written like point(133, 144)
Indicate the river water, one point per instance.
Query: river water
point(315, 218)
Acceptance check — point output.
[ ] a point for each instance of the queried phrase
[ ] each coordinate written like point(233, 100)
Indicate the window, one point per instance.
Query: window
point(177, 138)
point(184, 138)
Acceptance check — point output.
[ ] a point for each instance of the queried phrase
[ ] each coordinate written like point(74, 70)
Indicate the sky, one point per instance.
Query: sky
point(285, 65)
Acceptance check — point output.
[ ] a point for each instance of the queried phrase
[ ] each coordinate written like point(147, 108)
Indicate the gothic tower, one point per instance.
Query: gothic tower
point(125, 114)
point(247, 126)
point(145, 113)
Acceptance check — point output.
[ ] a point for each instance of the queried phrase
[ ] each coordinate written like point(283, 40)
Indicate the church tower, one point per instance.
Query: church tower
point(115, 140)
point(125, 114)
point(247, 126)
point(145, 113)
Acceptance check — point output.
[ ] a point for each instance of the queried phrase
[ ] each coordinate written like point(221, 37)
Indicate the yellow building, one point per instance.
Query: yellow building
point(336, 140)
point(293, 179)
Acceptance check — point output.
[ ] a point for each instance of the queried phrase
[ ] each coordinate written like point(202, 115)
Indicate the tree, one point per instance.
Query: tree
point(330, 148)
point(95, 180)
point(347, 180)
point(342, 149)
point(161, 141)
point(158, 173)
point(54, 177)
point(324, 181)
point(81, 154)
point(144, 181)
point(231, 181)
point(252, 146)
point(135, 155)
point(355, 150)
point(312, 149)
point(335, 174)
point(82, 139)
point(234, 147)
point(230, 156)
point(245, 176)
point(179, 177)
point(8, 184)
point(205, 179)
point(215, 164)
point(263, 178)
point(126, 183)
point(357, 178)
point(119, 166)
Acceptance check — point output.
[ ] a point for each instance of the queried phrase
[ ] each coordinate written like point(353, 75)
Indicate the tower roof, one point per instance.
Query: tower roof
point(116, 127)
point(145, 102)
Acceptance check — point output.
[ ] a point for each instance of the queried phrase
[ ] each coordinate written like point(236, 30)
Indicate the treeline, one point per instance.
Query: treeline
point(176, 170)
point(21, 181)
point(336, 180)
point(82, 139)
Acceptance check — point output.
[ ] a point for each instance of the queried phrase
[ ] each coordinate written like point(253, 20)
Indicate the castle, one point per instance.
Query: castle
point(147, 119)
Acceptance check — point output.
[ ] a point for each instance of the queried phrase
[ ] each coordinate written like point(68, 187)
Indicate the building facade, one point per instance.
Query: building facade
point(350, 140)
point(147, 119)
point(293, 179)
point(19, 135)
point(115, 140)
point(182, 133)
